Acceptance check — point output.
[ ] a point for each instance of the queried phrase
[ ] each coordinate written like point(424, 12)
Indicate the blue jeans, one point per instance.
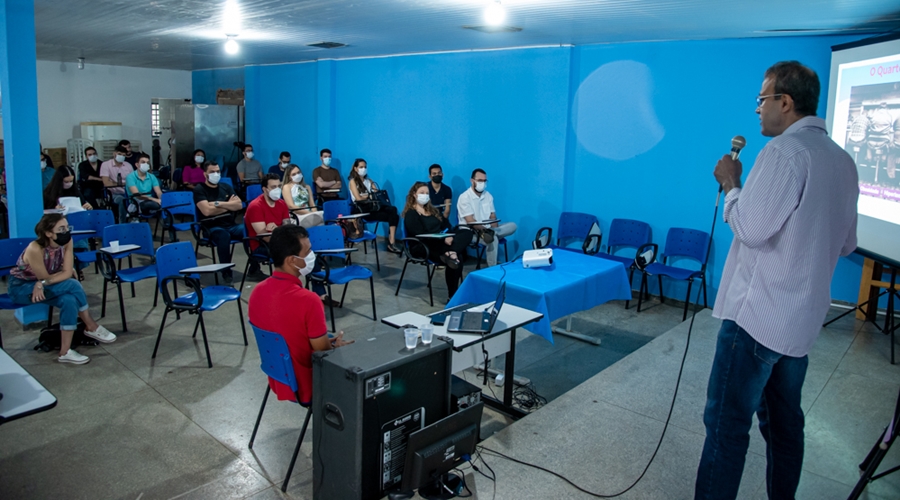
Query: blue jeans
point(68, 296)
point(747, 377)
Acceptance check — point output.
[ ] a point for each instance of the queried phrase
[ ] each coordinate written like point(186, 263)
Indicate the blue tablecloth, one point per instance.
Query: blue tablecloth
point(574, 282)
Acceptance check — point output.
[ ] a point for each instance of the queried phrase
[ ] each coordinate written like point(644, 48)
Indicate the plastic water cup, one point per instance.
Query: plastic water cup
point(114, 245)
point(412, 337)
point(427, 333)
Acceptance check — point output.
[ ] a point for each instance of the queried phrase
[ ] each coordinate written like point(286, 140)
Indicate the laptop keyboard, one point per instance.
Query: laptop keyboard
point(471, 321)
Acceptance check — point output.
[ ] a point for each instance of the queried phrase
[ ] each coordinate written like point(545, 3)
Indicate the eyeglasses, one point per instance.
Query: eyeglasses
point(64, 230)
point(480, 180)
point(762, 98)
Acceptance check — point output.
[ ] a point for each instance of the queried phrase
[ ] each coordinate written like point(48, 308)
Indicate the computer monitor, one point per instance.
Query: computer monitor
point(433, 451)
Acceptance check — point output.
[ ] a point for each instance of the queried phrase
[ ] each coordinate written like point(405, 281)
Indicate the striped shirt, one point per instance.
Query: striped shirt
point(795, 215)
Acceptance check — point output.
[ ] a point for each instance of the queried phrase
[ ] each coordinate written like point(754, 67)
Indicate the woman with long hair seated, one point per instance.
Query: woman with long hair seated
point(43, 274)
point(63, 185)
point(421, 217)
point(298, 196)
point(362, 192)
point(192, 174)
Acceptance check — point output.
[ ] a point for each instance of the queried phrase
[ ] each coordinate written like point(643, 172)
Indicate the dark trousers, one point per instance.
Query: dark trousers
point(437, 247)
point(221, 237)
point(384, 214)
point(748, 378)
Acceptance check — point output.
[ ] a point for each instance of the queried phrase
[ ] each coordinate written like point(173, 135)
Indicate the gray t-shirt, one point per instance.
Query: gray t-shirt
point(251, 169)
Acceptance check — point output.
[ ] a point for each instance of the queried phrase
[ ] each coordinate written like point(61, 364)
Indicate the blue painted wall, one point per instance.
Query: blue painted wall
point(206, 82)
point(621, 130)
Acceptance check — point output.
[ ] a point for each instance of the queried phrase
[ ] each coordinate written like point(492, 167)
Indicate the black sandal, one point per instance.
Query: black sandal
point(450, 261)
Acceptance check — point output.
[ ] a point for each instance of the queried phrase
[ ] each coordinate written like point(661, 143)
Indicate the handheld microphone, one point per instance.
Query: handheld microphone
point(737, 144)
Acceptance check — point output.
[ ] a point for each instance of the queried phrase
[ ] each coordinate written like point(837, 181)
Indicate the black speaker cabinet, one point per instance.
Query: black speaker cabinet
point(367, 398)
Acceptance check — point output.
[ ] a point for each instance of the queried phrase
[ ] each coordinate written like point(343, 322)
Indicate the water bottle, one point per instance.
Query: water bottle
point(119, 177)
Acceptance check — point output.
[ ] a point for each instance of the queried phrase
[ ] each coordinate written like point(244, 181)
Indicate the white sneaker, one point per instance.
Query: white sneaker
point(74, 358)
point(101, 335)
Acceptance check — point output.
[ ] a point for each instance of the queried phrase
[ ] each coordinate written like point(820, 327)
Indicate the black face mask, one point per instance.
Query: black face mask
point(62, 238)
point(437, 179)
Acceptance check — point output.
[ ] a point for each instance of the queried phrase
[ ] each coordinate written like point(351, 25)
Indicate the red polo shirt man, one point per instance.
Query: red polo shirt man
point(267, 211)
point(280, 304)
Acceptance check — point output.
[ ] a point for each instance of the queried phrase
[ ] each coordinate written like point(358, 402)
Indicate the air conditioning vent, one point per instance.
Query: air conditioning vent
point(327, 45)
point(494, 29)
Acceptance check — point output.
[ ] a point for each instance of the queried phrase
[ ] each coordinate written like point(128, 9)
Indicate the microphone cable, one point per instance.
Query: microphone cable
point(671, 405)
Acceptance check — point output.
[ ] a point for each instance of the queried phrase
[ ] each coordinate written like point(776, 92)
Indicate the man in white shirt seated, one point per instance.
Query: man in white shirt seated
point(477, 205)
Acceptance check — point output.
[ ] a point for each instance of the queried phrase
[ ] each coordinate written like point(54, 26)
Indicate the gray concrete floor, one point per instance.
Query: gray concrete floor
point(128, 427)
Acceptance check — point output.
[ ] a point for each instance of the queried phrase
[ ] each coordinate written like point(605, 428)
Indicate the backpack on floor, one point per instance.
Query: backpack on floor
point(51, 337)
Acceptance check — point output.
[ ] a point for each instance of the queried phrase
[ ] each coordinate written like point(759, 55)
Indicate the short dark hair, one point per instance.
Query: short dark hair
point(209, 164)
point(124, 142)
point(121, 149)
point(247, 146)
point(90, 148)
point(283, 154)
point(434, 166)
point(799, 82)
point(45, 225)
point(285, 242)
point(478, 171)
point(326, 150)
point(270, 177)
point(143, 155)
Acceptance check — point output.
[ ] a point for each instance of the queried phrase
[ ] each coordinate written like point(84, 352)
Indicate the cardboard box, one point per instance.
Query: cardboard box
point(233, 97)
point(57, 155)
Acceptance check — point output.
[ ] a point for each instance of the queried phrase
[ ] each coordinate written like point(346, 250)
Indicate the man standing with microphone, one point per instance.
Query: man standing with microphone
point(794, 217)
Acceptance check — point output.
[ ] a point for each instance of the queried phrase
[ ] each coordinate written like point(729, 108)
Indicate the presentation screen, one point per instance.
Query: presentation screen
point(864, 119)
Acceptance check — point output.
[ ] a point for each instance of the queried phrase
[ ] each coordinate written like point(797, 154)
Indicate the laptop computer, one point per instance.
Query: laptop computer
point(477, 321)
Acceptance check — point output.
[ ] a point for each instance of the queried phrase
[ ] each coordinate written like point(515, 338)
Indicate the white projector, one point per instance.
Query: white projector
point(537, 258)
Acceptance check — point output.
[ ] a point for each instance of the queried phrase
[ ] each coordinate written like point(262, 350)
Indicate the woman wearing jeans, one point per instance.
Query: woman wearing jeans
point(43, 274)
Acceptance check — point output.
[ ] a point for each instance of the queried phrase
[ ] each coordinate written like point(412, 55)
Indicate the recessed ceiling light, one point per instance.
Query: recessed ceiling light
point(494, 14)
point(494, 29)
point(231, 46)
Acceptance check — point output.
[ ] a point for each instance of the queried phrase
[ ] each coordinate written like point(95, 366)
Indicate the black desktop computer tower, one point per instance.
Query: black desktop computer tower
point(367, 398)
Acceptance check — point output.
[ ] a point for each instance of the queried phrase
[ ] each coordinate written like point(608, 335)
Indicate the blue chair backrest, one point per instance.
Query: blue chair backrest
point(326, 237)
point(275, 357)
point(334, 208)
point(253, 192)
point(627, 233)
point(96, 220)
point(226, 180)
point(174, 257)
point(682, 242)
point(575, 225)
point(131, 234)
point(186, 198)
point(10, 250)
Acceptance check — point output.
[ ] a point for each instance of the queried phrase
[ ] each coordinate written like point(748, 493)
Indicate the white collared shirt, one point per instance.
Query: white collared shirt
point(479, 207)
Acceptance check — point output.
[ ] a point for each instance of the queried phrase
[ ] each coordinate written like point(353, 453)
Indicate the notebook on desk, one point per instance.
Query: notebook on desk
point(477, 321)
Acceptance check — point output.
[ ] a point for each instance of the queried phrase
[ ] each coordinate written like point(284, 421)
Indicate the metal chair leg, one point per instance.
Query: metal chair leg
point(331, 307)
point(687, 300)
point(402, 273)
point(429, 271)
point(241, 316)
point(287, 477)
point(372, 289)
point(103, 306)
point(377, 263)
point(662, 297)
point(156, 294)
point(122, 307)
point(244, 277)
point(641, 291)
point(344, 294)
point(205, 342)
point(162, 324)
point(630, 281)
point(262, 407)
point(196, 327)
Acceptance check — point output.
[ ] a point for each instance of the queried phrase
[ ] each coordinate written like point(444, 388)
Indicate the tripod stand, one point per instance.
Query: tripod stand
point(877, 454)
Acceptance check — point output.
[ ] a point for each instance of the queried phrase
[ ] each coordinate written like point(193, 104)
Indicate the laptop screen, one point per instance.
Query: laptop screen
point(498, 303)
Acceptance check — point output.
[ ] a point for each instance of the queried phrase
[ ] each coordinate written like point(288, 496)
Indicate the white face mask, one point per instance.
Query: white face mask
point(145, 167)
point(326, 161)
point(68, 185)
point(362, 171)
point(275, 194)
point(423, 199)
point(120, 158)
point(479, 186)
point(285, 164)
point(43, 165)
point(199, 159)
point(92, 158)
point(214, 178)
point(297, 178)
point(249, 155)
point(310, 263)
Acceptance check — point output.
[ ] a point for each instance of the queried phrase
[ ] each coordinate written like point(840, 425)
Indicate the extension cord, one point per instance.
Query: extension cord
point(494, 372)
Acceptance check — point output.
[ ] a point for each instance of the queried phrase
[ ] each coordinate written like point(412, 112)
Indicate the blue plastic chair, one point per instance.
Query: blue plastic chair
point(572, 225)
point(334, 208)
point(95, 220)
point(331, 237)
point(626, 234)
point(680, 242)
point(175, 205)
point(226, 180)
point(253, 192)
point(10, 250)
point(201, 236)
point(275, 361)
point(261, 255)
point(132, 275)
point(172, 258)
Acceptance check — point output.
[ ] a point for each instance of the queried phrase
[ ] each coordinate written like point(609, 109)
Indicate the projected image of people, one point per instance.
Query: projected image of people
point(872, 136)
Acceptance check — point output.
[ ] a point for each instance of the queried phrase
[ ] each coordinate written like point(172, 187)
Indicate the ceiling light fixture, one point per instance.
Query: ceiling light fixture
point(80, 63)
point(495, 14)
point(231, 46)
point(231, 17)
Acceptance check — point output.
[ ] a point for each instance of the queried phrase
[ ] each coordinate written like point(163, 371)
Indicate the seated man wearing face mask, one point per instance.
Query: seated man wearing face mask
point(216, 206)
point(143, 187)
point(477, 205)
point(114, 172)
point(263, 215)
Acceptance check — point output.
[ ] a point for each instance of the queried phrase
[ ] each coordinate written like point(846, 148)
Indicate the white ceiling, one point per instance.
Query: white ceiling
point(189, 34)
